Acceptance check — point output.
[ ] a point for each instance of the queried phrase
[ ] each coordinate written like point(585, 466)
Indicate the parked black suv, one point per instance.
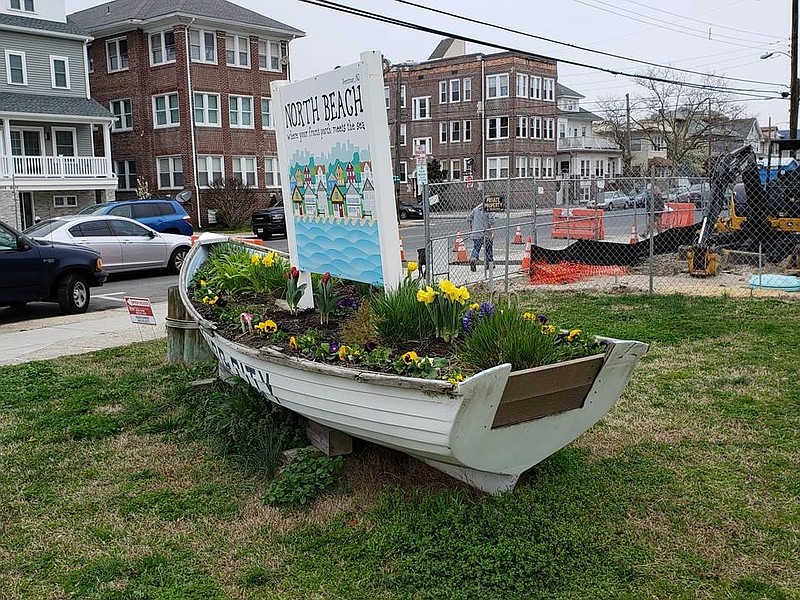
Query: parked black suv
point(38, 271)
point(268, 221)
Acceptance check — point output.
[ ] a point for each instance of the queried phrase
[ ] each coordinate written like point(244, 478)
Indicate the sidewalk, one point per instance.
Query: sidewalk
point(42, 339)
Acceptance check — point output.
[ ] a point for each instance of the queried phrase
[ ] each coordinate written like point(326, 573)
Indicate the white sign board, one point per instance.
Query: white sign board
point(422, 174)
point(338, 189)
point(140, 310)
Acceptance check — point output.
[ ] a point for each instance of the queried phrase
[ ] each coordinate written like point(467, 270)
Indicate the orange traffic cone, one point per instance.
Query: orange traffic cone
point(402, 252)
point(461, 253)
point(458, 241)
point(526, 259)
point(518, 237)
point(634, 233)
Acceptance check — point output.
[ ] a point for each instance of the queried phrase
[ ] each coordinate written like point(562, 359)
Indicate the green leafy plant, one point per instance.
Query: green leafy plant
point(446, 307)
point(413, 365)
point(400, 319)
point(325, 298)
point(294, 291)
point(307, 476)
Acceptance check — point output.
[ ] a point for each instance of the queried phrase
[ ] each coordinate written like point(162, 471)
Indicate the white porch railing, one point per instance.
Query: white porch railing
point(586, 143)
point(54, 167)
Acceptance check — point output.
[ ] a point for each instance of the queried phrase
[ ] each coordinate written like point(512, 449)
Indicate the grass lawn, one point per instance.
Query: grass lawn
point(689, 488)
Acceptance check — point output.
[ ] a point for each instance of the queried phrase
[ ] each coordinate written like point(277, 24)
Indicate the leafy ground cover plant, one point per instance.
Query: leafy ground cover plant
point(307, 476)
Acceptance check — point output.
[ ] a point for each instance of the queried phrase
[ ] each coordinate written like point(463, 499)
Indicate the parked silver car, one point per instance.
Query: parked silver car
point(123, 244)
point(611, 201)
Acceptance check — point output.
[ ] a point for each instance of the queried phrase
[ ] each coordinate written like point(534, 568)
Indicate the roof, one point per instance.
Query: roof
point(581, 113)
point(42, 25)
point(41, 104)
point(562, 90)
point(742, 126)
point(134, 12)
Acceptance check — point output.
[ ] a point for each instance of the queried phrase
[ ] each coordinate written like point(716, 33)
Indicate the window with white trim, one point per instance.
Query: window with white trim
point(536, 166)
point(442, 92)
point(272, 172)
point(237, 51)
point(522, 127)
point(455, 169)
point(455, 131)
point(536, 127)
point(266, 114)
point(600, 167)
point(240, 111)
point(521, 166)
point(421, 108)
point(536, 88)
point(244, 169)
point(403, 96)
point(122, 110)
point(126, 174)
point(387, 93)
point(522, 86)
point(549, 129)
point(496, 128)
point(467, 89)
point(203, 46)
point(426, 142)
point(65, 201)
point(403, 172)
point(443, 132)
point(497, 167)
point(170, 172)
point(162, 47)
point(269, 55)
point(206, 109)
point(402, 134)
point(548, 93)
point(497, 86)
point(117, 54)
point(16, 69)
point(455, 90)
point(467, 131)
point(26, 5)
point(548, 167)
point(165, 110)
point(59, 72)
point(210, 168)
point(586, 167)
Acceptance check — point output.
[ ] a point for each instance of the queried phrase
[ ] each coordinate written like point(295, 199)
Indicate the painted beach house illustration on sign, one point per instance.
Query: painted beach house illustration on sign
point(333, 145)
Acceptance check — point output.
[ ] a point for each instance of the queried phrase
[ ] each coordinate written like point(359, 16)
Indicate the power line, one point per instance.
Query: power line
point(328, 4)
point(574, 46)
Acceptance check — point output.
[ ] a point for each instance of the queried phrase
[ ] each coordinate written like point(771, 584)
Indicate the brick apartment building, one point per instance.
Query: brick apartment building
point(189, 85)
point(491, 116)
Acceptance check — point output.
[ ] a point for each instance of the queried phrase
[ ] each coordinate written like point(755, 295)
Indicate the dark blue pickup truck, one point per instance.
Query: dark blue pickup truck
point(32, 271)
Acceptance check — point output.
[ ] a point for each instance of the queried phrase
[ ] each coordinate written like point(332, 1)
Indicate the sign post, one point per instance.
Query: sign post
point(140, 310)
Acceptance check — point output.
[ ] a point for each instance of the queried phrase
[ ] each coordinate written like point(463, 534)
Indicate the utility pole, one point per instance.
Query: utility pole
point(793, 81)
point(628, 153)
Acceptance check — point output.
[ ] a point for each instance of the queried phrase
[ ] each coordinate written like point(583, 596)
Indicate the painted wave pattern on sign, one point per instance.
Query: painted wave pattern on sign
point(356, 244)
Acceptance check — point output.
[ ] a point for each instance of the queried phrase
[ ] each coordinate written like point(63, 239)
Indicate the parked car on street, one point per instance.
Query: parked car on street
point(698, 193)
point(610, 201)
point(165, 215)
point(43, 271)
point(411, 211)
point(267, 222)
point(124, 244)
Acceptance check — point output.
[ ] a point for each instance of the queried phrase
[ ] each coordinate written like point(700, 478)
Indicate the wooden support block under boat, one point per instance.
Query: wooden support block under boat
point(327, 440)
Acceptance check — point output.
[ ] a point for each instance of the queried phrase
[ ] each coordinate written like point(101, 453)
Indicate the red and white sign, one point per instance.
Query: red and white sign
point(421, 155)
point(470, 181)
point(140, 310)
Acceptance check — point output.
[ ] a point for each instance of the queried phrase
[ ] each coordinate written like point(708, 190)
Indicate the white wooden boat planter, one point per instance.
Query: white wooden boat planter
point(486, 430)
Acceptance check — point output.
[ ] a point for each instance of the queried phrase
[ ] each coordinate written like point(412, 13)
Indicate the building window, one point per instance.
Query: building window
point(427, 143)
point(536, 127)
point(89, 58)
point(402, 134)
point(455, 90)
point(548, 93)
point(244, 169)
point(549, 129)
point(266, 114)
point(403, 172)
point(206, 109)
point(586, 167)
point(272, 172)
point(123, 112)
point(209, 169)
point(443, 132)
point(237, 51)
point(455, 169)
point(126, 174)
point(496, 128)
point(170, 172)
point(162, 47)
point(521, 166)
point(536, 166)
point(59, 72)
point(522, 127)
point(117, 53)
point(16, 70)
point(26, 5)
point(165, 110)
point(455, 131)
point(64, 141)
point(467, 88)
point(203, 46)
point(536, 88)
point(522, 86)
point(658, 143)
point(387, 97)
point(442, 92)
point(241, 111)
point(548, 167)
point(497, 86)
point(599, 168)
point(65, 201)
point(497, 167)
point(421, 108)
point(269, 55)
point(402, 96)
point(467, 131)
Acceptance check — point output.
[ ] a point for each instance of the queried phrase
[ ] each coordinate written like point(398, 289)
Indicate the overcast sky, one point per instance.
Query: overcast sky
point(725, 37)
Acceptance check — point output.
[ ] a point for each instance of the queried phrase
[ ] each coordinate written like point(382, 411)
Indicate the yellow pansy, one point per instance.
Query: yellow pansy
point(529, 316)
point(343, 351)
point(202, 282)
point(549, 329)
point(427, 295)
point(573, 333)
point(292, 343)
point(456, 378)
point(268, 326)
point(474, 306)
point(410, 357)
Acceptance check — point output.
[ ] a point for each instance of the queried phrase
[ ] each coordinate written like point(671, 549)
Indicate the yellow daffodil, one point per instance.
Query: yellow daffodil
point(292, 343)
point(255, 259)
point(474, 306)
point(202, 283)
point(463, 295)
point(446, 286)
point(268, 259)
point(573, 333)
point(410, 357)
point(343, 351)
point(549, 329)
point(529, 316)
point(411, 267)
point(427, 295)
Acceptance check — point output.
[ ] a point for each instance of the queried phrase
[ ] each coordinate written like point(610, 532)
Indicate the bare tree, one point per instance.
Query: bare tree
point(234, 201)
point(615, 126)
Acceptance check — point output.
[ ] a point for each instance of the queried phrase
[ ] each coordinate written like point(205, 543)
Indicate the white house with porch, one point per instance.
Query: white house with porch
point(48, 122)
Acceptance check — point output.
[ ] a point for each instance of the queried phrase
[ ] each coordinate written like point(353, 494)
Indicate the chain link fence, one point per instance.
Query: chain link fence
point(636, 235)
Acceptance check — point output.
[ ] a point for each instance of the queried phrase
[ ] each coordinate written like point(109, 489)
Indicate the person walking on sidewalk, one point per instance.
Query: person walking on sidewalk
point(655, 208)
point(481, 224)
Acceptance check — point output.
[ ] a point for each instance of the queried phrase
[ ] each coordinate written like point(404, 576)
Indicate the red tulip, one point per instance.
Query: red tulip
point(326, 278)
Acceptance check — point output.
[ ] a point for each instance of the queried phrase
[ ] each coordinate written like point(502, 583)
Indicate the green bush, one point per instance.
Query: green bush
point(304, 479)
point(400, 317)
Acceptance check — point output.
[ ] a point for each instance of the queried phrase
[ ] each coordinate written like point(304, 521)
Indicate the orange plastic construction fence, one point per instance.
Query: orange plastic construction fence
point(577, 224)
point(571, 272)
point(677, 214)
